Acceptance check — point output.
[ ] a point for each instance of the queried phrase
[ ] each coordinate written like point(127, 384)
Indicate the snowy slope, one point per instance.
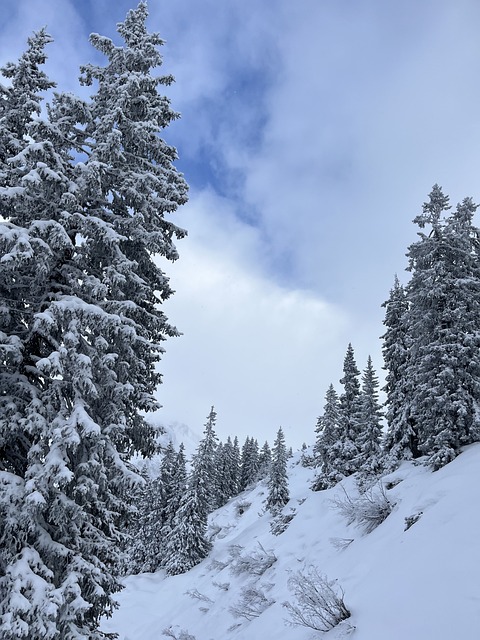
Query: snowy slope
point(416, 584)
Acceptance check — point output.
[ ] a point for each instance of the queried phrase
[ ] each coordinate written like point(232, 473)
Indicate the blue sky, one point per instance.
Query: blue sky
point(310, 135)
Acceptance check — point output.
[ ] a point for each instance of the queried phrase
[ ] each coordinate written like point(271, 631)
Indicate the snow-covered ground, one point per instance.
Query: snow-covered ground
point(420, 583)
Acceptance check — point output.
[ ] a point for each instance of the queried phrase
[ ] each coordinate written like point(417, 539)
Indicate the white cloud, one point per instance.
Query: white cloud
point(262, 353)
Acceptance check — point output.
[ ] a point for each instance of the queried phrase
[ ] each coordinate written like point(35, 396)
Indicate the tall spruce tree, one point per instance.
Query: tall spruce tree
point(87, 332)
point(227, 473)
point(401, 438)
point(204, 472)
point(328, 448)
point(350, 416)
point(187, 544)
point(444, 322)
point(278, 492)
point(369, 438)
point(249, 464)
point(264, 460)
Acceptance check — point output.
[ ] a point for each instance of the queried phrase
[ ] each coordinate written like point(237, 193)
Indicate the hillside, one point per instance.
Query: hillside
point(419, 583)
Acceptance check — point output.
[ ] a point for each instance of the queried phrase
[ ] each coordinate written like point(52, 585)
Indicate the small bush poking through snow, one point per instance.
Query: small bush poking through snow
point(369, 510)
point(195, 593)
point(256, 562)
point(341, 543)
point(411, 520)
point(252, 603)
point(241, 507)
point(281, 521)
point(319, 601)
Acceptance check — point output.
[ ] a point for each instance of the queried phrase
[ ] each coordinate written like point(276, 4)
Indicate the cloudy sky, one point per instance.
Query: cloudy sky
point(311, 134)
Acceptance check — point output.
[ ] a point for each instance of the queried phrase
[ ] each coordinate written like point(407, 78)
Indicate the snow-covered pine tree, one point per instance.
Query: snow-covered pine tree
point(444, 295)
point(369, 438)
point(227, 473)
point(149, 534)
point(328, 447)
point(236, 462)
point(264, 460)
point(278, 492)
point(349, 404)
point(90, 336)
point(249, 463)
point(22, 254)
point(204, 471)
point(187, 544)
point(401, 438)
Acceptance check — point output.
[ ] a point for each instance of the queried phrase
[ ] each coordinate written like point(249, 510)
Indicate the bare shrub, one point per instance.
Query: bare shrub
point(252, 603)
point(223, 586)
point(177, 635)
point(341, 543)
point(217, 565)
point(255, 562)
point(411, 520)
point(280, 522)
point(319, 601)
point(367, 511)
point(195, 593)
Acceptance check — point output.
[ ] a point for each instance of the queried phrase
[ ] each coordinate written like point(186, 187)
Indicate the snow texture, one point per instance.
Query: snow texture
point(413, 577)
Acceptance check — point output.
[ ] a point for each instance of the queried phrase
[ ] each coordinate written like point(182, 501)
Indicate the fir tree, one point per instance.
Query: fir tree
point(264, 460)
point(227, 473)
point(368, 442)
point(328, 447)
point(444, 320)
point(187, 544)
point(87, 333)
point(204, 474)
point(401, 438)
point(278, 493)
point(349, 404)
point(249, 464)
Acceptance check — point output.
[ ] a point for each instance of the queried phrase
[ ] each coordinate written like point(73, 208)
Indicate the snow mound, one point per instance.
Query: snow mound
point(414, 576)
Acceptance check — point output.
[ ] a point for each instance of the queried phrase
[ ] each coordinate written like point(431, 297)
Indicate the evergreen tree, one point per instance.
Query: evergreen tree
point(146, 553)
point(204, 474)
point(264, 460)
point(278, 493)
point(444, 319)
point(249, 464)
point(187, 544)
point(368, 442)
point(86, 335)
point(401, 438)
point(350, 418)
point(236, 463)
point(328, 447)
point(227, 473)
